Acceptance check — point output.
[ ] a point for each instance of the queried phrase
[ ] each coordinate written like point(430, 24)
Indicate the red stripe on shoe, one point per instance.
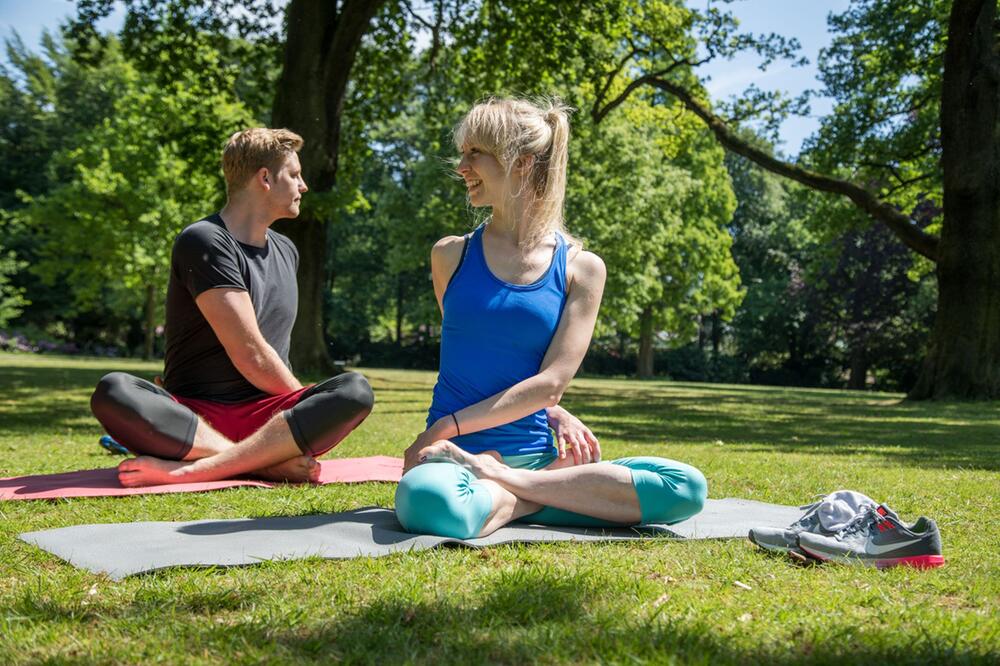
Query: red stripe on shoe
point(916, 561)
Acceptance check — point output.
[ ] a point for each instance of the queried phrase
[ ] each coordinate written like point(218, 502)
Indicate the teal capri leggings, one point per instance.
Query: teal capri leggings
point(445, 499)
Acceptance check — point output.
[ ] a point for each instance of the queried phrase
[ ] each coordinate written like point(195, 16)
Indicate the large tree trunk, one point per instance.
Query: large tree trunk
point(150, 307)
point(320, 48)
point(645, 364)
point(858, 379)
point(963, 360)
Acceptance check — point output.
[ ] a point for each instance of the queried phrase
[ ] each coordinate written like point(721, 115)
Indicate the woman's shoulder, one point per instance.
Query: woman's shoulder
point(446, 253)
point(585, 269)
point(583, 261)
point(447, 247)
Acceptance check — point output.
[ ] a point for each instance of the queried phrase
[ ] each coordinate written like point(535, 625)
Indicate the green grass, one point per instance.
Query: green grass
point(641, 601)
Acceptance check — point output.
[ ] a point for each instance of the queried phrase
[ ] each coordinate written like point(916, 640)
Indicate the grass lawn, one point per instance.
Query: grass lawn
point(663, 601)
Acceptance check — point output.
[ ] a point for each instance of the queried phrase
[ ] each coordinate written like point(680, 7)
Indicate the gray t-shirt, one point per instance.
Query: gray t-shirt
point(206, 256)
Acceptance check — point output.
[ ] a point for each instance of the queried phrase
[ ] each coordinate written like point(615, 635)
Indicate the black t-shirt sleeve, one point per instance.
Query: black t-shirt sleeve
point(203, 260)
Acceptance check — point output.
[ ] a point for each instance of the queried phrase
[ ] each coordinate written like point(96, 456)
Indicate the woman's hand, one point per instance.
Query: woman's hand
point(443, 428)
point(570, 431)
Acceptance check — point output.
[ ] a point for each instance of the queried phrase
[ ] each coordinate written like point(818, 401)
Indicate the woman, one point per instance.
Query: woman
point(519, 299)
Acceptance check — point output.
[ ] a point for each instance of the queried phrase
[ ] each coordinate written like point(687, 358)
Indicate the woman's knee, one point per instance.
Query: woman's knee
point(442, 499)
point(669, 491)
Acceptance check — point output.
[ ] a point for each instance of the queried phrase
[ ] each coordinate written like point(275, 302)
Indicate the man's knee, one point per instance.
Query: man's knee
point(111, 395)
point(356, 390)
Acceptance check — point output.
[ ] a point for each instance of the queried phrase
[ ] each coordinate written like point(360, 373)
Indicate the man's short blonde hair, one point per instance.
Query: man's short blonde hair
point(251, 149)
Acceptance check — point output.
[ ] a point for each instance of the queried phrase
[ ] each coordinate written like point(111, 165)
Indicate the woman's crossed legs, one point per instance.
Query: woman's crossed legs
point(463, 496)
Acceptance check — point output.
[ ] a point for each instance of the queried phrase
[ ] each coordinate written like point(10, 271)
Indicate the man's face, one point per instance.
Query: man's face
point(287, 188)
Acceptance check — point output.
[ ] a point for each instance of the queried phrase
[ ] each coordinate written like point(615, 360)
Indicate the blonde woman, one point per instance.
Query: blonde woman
point(519, 299)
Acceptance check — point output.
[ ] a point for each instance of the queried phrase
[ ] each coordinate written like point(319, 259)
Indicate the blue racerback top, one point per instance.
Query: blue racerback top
point(494, 335)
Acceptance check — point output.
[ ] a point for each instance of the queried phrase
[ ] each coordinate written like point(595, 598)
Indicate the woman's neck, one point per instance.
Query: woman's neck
point(513, 221)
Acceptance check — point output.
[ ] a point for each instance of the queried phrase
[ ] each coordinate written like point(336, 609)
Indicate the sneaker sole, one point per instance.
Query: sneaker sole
point(915, 561)
point(774, 548)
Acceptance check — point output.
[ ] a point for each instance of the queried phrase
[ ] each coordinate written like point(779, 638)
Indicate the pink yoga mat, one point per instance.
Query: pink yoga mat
point(104, 482)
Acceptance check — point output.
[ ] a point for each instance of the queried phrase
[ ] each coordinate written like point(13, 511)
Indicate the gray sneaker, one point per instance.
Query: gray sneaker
point(878, 538)
point(840, 507)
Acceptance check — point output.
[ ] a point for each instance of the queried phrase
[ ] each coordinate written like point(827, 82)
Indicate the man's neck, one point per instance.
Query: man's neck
point(246, 221)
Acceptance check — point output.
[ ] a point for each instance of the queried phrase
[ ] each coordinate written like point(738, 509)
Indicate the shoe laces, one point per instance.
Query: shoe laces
point(863, 521)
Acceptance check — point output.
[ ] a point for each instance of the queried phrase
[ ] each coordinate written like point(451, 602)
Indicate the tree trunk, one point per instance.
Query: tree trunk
point(399, 311)
point(716, 333)
point(858, 379)
point(147, 352)
point(320, 48)
point(963, 359)
point(645, 366)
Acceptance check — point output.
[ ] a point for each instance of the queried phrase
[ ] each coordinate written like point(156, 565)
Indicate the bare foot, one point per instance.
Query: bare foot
point(483, 465)
point(148, 471)
point(301, 469)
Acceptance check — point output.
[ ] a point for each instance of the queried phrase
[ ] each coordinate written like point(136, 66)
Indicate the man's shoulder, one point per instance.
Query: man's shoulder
point(283, 241)
point(206, 233)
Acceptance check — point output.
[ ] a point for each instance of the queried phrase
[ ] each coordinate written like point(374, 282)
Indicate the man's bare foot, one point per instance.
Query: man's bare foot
point(148, 471)
point(484, 465)
point(301, 469)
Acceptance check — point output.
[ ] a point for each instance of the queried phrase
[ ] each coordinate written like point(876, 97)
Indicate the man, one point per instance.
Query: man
point(229, 403)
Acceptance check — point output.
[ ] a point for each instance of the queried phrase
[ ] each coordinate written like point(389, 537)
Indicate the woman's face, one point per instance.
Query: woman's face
point(484, 176)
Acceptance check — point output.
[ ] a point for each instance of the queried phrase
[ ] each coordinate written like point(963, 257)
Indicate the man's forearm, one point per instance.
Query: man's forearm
point(263, 368)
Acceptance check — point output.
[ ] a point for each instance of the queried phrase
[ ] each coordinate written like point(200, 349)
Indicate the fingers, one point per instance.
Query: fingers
point(562, 446)
point(595, 446)
point(584, 446)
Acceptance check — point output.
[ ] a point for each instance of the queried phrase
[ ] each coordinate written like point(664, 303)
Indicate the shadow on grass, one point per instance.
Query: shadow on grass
point(790, 421)
point(536, 616)
point(752, 418)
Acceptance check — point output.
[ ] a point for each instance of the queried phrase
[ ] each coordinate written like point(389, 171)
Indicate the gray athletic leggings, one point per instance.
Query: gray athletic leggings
point(149, 420)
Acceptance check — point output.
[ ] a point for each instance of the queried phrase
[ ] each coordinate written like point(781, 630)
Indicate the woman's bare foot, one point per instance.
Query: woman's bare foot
point(301, 469)
point(148, 471)
point(483, 465)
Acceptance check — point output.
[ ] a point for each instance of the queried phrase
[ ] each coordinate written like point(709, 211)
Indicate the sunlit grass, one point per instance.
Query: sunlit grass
point(639, 601)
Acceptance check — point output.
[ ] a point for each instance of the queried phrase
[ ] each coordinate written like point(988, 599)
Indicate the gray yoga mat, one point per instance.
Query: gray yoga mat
point(125, 549)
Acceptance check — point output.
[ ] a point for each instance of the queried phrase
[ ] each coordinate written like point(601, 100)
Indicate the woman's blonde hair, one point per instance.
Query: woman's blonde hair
point(511, 128)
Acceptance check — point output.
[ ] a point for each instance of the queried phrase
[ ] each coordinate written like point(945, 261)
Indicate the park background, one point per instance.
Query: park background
point(721, 268)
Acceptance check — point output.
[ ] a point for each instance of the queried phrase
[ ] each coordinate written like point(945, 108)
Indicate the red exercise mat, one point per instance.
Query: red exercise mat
point(104, 482)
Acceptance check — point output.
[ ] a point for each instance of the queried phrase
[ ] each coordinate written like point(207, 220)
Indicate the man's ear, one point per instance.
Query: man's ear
point(263, 178)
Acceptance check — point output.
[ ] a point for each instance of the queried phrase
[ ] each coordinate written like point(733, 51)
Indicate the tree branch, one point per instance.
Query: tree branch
point(900, 224)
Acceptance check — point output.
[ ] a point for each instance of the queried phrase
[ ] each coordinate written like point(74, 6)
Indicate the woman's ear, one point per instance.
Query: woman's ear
point(524, 162)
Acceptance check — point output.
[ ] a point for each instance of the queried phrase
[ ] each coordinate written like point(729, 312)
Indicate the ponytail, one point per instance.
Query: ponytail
point(514, 128)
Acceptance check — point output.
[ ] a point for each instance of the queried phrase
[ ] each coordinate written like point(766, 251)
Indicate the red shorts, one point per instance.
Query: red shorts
point(237, 421)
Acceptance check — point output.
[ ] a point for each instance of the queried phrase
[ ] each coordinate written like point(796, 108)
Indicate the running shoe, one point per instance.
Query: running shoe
point(878, 538)
point(827, 516)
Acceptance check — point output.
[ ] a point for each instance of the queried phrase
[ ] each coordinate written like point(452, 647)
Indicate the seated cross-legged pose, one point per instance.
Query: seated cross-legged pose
point(519, 299)
point(229, 403)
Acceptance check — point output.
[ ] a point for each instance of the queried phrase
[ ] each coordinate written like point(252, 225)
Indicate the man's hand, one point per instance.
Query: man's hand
point(571, 433)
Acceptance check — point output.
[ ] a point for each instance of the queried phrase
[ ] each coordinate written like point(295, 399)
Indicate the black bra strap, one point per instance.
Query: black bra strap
point(465, 250)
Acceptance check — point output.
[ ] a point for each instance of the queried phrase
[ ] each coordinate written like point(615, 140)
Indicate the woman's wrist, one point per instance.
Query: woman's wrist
point(445, 427)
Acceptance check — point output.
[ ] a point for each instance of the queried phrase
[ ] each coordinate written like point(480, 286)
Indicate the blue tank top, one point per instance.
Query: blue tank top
point(495, 334)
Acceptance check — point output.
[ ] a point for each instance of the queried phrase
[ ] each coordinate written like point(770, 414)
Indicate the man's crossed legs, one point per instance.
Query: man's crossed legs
point(184, 440)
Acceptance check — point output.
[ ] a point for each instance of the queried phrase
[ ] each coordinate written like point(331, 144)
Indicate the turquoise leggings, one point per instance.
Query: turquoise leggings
point(446, 499)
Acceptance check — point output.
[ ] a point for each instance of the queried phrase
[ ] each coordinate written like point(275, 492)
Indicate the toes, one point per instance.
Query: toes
point(128, 465)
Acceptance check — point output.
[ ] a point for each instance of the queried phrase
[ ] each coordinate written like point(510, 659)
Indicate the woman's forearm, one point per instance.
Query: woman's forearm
point(526, 397)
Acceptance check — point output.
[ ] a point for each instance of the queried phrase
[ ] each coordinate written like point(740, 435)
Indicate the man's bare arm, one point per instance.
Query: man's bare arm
point(231, 315)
